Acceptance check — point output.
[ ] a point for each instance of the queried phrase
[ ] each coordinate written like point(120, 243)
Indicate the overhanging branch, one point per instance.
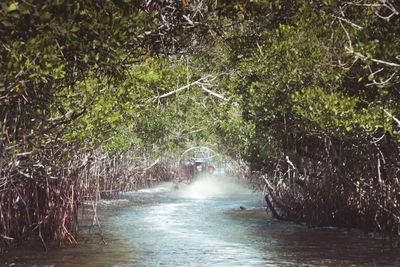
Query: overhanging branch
point(202, 83)
point(198, 82)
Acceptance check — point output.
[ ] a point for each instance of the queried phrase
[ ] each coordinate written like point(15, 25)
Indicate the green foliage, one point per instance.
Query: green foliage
point(87, 72)
point(282, 64)
point(285, 75)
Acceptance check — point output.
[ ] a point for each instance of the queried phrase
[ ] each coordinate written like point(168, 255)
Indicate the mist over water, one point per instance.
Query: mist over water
point(202, 224)
point(214, 187)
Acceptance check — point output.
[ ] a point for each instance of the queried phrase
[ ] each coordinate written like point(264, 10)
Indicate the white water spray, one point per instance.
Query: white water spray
point(214, 187)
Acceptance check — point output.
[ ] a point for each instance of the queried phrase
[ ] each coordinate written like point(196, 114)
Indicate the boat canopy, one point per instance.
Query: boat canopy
point(199, 154)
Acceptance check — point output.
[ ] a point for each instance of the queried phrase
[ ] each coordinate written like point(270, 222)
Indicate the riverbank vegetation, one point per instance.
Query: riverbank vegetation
point(319, 91)
point(103, 97)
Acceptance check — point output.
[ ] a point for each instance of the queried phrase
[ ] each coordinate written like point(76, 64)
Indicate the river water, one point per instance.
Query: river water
point(202, 224)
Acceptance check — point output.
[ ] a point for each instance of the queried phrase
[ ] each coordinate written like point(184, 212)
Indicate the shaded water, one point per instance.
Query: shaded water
point(202, 225)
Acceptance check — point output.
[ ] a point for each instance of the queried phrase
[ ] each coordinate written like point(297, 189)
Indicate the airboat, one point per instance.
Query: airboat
point(196, 162)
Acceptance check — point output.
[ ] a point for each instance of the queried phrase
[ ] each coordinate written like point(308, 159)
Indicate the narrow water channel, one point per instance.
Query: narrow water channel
point(202, 224)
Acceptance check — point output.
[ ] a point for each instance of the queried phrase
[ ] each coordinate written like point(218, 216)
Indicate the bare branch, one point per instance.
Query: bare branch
point(214, 94)
point(355, 26)
point(374, 82)
point(391, 116)
point(351, 51)
point(187, 18)
point(347, 35)
point(383, 3)
point(151, 165)
point(183, 88)
point(202, 83)
point(290, 163)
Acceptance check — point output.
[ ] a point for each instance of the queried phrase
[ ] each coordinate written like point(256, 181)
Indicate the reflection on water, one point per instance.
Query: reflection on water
point(202, 225)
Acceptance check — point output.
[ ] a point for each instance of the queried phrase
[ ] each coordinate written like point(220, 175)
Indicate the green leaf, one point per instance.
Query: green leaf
point(75, 28)
point(12, 7)
point(6, 23)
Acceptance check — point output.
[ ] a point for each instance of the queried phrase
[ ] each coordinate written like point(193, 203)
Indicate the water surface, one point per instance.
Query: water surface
point(202, 224)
